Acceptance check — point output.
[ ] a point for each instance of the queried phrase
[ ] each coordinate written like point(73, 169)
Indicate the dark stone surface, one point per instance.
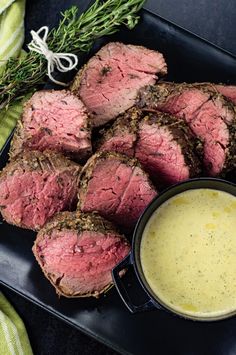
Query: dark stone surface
point(49, 335)
point(213, 20)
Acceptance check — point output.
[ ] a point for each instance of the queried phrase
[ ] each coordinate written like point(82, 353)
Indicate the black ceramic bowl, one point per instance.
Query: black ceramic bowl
point(133, 259)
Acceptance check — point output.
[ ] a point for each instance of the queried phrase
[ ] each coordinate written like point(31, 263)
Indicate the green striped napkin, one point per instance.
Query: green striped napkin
point(8, 119)
point(11, 28)
point(12, 14)
point(13, 336)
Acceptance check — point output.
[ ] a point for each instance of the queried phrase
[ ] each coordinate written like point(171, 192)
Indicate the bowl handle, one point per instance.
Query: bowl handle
point(125, 263)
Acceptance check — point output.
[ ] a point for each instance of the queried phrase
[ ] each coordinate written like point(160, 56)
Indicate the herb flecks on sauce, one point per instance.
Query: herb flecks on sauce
point(188, 253)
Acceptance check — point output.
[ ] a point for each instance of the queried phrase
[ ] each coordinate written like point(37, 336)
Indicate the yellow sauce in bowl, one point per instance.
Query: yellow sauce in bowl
point(188, 253)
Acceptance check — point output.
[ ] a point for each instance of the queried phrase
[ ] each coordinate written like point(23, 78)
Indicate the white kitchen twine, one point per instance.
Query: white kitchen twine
point(39, 45)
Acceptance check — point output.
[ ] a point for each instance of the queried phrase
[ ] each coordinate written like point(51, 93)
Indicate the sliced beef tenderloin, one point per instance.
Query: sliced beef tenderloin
point(116, 187)
point(77, 253)
point(55, 120)
point(163, 144)
point(109, 83)
point(35, 185)
point(121, 137)
point(210, 117)
point(228, 91)
point(166, 149)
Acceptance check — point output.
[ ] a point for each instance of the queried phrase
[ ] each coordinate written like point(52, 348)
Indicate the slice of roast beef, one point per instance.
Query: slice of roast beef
point(210, 117)
point(77, 253)
point(228, 91)
point(121, 137)
point(55, 120)
point(166, 149)
point(116, 187)
point(109, 83)
point(163, 144)
point(35, 185)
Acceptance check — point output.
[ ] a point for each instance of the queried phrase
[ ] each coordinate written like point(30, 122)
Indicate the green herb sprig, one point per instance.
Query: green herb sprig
point(75, 34)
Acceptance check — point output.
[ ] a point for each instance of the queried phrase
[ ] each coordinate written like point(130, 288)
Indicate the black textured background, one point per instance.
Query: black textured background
point(213, 20)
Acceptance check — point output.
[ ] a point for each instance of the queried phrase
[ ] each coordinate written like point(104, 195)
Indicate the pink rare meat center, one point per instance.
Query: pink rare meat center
point(227, 91)
point(118, 191)
point(158, 152)
point(100, 97)
point(208, 121)
point(112, 78)
point(81, 261)
point(31, 198)
point(123, 144)
point(56, 121)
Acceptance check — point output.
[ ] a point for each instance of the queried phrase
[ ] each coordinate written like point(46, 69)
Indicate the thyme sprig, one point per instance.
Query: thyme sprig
point(74, 34)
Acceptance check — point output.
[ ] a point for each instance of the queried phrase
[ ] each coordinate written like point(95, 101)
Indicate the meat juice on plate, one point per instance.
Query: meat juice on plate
point(188, 253)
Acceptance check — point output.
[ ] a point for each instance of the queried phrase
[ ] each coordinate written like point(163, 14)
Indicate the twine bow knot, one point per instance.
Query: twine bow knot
point(39, 45)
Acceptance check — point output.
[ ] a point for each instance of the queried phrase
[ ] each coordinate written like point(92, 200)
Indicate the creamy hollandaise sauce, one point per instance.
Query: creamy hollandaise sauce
point(188, 253)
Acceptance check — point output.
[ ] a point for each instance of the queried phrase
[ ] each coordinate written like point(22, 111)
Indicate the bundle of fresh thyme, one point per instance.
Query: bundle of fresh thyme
point(74, 35)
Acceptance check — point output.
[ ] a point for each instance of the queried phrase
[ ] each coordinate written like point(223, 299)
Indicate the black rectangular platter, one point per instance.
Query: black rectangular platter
point(189, 59)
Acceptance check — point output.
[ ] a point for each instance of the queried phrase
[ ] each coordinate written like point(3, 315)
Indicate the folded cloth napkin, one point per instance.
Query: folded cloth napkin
point(8, 119)
point(13, 337)
point(12, 14)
